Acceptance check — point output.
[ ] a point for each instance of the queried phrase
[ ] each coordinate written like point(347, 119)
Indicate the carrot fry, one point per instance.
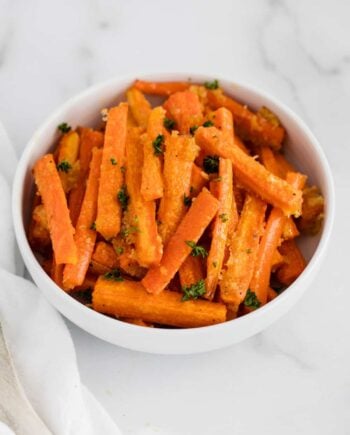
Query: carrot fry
point(111, 180)
point(312, 215)
point(277, 260)
point(152, 179)
point(191, 271)
point(191, 228)
point(137, 322)
point(89, 139)
point(104, 258)
point(55, 205)
point(178, 163)
point(269, 243)
point(221, 226)
point(268, 159)
point(294, 263)
point(284, 165)
point(199, 179)
point(67, 163)
point(243, 253)
point(271, 294)
point(148, 243)
point(129, 299)
point(249, 126)
point(85, 236)
point(139, 106)
point(163, 89)
point(185, 109)
point(38, 233)
point(57, 273)
point(250, 173)
point(290, 230)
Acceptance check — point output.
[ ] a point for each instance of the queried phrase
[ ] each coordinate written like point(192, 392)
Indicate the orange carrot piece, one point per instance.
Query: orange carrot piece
point(268, 159)
point(129, 299)
point(294, 263)
point(243, 253)
point(312, 215)
point(104, 258)
point(284, 165)
point(277, 260)
point(199, 179)
point(111, 180)
point(89, 139)
point(137, 322)
point(191, 228)
point(163, 89)
point(57, 273)
point(185, 109)
point(251, 174)
point(178, 163)
point(290, 230)
point(221, 226)
point(67, 164)
point(191, 271)
point(139, 106)
point(55, 204)
point(152, 178)
point(85, 236)
point(269, 243)
point(241, 145)
point(271, 294)
point(249, 126)
point(148, 243)
point(38, 233)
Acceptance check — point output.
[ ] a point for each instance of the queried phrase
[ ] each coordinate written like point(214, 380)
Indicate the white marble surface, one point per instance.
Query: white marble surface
point(294, 378)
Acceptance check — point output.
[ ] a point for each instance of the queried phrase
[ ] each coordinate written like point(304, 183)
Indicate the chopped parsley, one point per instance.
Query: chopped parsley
point(64, 166)
point(64, 127)
point(217, 179)
point(212, 85)
point(113, 161)
point(93, 226)
point(223, 217)
point(119, 250)
point(187, 200)
point(122, 169)
point(193, 291)
point(123, 197)
point(169, 124)
point(248, 251)
point(251, 300)
point(113, 275)
point(197, 250)
point(211, 164)
point(125, 232)
point(208, 124)
point(215, 264)
point(193, 129)
point(157, 145)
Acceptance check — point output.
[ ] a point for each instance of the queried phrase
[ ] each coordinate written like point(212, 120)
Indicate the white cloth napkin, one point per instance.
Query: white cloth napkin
point(39, 342)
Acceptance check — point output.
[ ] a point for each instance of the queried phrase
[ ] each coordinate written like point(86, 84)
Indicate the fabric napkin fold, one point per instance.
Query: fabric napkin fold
point(38, 339)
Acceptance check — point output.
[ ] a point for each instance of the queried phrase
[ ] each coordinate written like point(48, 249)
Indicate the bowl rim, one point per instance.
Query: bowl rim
point(32, 263)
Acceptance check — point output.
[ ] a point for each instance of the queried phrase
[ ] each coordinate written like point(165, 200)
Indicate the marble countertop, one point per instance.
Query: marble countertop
point(293, 378)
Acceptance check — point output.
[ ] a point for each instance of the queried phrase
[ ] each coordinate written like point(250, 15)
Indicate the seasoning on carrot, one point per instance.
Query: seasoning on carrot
point(294, 263)
point(191, 271)
point(162, 89)
point(185, 109)
point(55, 205)
point(139, 106)
point(111, 180)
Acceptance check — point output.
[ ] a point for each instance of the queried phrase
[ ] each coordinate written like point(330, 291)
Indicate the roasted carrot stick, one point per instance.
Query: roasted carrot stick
point(104, 258)
point(57, 272)
point(221, 227)
point(89, 139)
point(108, 207)
point(191, 271)
point(294, 263)
point(179, 155)
point(148, 243)
point(139, 106)
point(243, 253)
point(268, 159)
point(85, 236)
point(290, 230)
point(251, 174)
point(67, 163)
point(312, 211)
point(38, 233)
point(163, 89)
point(185, 109)
point(271, 294)
point(129, 299)
point(199, 179)
point(191, 228)
point(269, 243)
point(249, 126)
point(55, 204)
point(284, 165)
point(152, 178)
point(277, 260)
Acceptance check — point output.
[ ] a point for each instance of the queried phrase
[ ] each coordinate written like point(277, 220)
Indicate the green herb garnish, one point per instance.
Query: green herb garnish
point(119, 250)
point(211, 164)
point(193, 129)
point(187, 200)
point(93, 226)
point(197, 250)
point(212, 85)
point(223, 217)
point(157, 145)
point(251, 300)
point(123, 197)
point(125, 232)
point(122, 169)
point(208, 124)
point(113, 275)
point(215, 264)
point(113, 161)
point(64, 166)
point(169, 124)
point(64, 127)
point(193, 291)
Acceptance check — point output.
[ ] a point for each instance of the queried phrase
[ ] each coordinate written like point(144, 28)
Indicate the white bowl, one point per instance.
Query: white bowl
point(302, 149)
